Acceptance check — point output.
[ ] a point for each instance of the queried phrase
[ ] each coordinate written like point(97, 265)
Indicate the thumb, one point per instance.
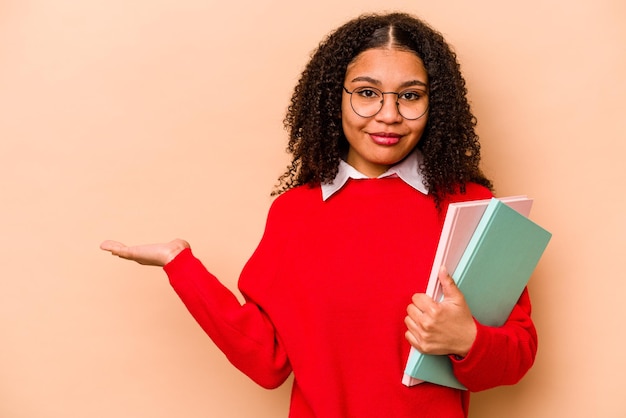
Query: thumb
point(448, 286)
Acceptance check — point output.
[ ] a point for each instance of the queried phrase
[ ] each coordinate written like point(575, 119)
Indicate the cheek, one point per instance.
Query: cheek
point(419, 128)
point(347, 117)
point(345, 108)
point(347, 129)
point(351, 124)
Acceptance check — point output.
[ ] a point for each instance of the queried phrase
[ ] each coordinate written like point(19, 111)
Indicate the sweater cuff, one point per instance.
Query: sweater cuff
point(177, 263)
point(476, 351)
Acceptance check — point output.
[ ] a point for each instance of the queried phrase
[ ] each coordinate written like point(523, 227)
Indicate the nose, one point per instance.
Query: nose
point(389, 112)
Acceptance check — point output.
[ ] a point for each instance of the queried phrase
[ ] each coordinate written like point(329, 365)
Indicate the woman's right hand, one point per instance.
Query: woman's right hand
point(149, 254)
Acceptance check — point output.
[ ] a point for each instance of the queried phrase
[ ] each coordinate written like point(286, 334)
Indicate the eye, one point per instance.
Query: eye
point(411, 95)
point(367, 92)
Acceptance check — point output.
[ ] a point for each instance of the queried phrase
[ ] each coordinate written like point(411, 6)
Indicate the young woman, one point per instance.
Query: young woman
point(382, 139)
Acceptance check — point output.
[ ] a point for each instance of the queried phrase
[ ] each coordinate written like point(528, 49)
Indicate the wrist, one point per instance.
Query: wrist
point(469, 342)
point(175, 247)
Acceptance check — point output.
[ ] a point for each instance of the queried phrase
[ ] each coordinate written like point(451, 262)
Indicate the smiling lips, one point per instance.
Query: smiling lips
point(383, 138)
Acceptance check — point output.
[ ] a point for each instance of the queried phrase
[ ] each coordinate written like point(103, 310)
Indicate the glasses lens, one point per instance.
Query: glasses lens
point(367, 101)
point(412, 104)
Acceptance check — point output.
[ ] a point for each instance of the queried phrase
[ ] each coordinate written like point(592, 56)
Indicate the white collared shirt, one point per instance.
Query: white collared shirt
point(408, 170)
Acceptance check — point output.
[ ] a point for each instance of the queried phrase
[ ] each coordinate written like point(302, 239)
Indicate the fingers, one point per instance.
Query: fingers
point(419, 329)
point(111, 246)
point(411, 339)
point(421, 314)
point(117, 249)
point(413, 330)
point(413, 314)
point(420, 303)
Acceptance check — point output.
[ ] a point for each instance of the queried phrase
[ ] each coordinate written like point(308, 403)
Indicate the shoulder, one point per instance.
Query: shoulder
point(298, 195)
point(296, 200)
point(289, 209)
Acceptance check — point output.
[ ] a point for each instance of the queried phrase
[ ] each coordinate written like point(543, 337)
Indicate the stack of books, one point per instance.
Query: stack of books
point(492, 248)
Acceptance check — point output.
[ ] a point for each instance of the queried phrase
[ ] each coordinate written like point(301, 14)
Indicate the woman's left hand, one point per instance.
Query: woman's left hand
point(445, 327)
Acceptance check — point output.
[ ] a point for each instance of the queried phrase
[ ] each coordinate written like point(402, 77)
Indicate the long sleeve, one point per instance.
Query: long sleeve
point(500, 355)
point(243, 332)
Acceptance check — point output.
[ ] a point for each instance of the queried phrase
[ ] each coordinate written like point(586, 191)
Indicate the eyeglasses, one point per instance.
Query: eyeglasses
point(367, 102)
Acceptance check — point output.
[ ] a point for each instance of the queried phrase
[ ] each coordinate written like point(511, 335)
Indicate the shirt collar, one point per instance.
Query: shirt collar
point(408, 170)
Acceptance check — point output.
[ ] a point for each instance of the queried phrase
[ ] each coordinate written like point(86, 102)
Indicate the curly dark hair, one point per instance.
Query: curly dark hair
point(316, 140)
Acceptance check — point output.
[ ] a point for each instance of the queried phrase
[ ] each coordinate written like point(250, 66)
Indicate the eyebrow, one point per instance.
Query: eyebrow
point(378, 83)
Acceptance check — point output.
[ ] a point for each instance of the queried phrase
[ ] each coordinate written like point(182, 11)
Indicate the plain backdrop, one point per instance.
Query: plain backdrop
point(143, 121)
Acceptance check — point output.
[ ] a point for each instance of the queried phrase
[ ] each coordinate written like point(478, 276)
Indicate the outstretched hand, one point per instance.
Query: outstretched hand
point(149, 254)
point(445, 327)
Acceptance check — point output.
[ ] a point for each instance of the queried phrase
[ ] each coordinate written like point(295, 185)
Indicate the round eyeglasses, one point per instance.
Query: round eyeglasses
point(367, 101)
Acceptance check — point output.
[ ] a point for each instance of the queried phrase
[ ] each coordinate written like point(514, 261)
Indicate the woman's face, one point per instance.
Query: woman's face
point(377, 142)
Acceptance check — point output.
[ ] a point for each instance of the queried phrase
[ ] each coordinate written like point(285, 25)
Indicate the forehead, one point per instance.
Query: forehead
point(387, 66)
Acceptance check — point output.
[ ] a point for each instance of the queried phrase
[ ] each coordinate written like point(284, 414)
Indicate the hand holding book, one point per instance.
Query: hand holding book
point(445, 327)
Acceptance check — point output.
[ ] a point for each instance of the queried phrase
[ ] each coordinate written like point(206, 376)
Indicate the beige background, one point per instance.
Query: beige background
point(147, 120)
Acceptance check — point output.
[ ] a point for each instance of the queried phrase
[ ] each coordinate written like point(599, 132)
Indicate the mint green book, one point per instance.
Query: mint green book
point(492, 274)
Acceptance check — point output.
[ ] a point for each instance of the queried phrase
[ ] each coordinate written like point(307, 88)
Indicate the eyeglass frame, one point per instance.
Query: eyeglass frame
point(382, 102)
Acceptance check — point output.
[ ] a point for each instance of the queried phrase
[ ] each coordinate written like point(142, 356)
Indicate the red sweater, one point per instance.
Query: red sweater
point(326, 294)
